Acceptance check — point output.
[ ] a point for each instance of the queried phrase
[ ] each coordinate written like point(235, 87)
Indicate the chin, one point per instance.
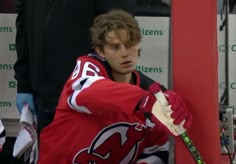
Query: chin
point(127, 71)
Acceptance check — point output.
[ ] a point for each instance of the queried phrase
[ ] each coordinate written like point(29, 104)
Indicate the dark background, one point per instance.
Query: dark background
point(7, 6)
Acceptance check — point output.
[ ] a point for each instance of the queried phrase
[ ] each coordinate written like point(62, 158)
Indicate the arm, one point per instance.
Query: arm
point(93, 93)
point(90, 90)
point(100, 95)
point(21, 66)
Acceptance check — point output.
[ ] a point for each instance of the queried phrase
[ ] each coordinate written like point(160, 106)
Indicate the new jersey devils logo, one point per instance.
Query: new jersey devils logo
point(117, 143)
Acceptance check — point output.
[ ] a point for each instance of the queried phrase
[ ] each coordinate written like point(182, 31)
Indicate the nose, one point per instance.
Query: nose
point(125, 51)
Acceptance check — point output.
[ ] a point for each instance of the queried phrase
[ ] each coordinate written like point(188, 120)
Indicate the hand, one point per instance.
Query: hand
point(23, 99)
point(180, 111)
point(157, 105)
point(172, 116)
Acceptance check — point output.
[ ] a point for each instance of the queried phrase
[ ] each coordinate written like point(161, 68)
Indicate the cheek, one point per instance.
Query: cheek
point(112, 60)
point(110, 52)
point(134, 53)
point(134, 50)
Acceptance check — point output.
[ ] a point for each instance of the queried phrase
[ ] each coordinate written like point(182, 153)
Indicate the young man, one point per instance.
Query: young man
point(51, 34)
point(107, 111)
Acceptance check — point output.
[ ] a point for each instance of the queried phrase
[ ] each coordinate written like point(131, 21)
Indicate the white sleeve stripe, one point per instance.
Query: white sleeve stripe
point(78, 86)
point(77, 107)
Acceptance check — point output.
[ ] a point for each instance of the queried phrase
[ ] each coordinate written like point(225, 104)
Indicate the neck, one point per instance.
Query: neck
point(122, 78)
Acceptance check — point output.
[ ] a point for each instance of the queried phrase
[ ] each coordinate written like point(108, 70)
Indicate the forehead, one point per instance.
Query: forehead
point(117, 36)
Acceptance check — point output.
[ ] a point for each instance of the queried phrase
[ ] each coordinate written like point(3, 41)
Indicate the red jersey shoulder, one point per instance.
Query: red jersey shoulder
point(89, 66)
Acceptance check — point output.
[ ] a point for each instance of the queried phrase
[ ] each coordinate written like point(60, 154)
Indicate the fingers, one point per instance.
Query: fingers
point(180, 110)
point(184, 116)
point(178, 107)
point(188, 122)
point(179, 119)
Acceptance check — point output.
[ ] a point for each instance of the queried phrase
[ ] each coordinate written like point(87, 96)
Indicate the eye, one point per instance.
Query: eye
point(128, 45)
point(115, 47)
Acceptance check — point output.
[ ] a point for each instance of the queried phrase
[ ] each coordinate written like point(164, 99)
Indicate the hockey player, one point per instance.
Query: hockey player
point(108, 112)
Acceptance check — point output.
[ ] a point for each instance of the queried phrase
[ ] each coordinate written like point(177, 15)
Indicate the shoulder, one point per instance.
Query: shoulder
point(90, 59)
point(93, 62)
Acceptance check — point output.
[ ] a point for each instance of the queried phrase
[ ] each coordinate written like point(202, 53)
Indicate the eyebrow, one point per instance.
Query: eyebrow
point(113, 44)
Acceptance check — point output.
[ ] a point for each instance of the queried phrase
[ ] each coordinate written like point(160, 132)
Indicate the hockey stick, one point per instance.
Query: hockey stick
point(191, 148)
point(184, 136)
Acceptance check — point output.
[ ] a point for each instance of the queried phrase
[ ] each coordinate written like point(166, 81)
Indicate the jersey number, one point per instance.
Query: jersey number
point(88, 69)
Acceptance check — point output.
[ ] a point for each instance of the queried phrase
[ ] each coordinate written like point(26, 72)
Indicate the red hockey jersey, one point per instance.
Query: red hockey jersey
point(97, 121)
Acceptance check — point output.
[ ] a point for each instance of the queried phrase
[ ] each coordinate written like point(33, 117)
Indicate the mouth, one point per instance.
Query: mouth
point(126, 63)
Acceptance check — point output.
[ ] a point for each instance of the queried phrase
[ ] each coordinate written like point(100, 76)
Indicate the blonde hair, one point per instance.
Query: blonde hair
point(115, 20)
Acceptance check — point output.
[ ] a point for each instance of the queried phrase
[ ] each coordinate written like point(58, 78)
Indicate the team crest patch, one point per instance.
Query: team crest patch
point(116, 143)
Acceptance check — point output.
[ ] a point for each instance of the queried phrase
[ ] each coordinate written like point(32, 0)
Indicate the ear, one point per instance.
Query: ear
point(99, 52)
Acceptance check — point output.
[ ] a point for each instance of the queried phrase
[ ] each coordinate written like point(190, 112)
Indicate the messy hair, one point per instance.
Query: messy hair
point(115, 20)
